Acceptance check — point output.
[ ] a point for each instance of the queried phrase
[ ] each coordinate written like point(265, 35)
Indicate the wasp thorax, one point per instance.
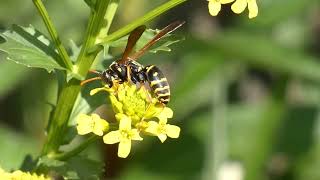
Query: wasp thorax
point(120, 70)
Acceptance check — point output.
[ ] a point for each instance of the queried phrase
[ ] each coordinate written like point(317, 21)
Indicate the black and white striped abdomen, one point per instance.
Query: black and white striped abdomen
point(158, 83)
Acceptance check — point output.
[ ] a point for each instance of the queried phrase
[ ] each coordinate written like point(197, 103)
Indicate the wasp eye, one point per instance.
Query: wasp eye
point(106, 78)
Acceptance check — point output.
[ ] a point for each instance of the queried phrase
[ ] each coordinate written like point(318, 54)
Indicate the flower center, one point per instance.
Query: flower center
point(161, 129)
point(126, 134)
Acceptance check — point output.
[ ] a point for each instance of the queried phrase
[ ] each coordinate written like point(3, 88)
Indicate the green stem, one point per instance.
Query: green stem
point(83, 145)
point(53, 33)
point(76, 150)
point(71, 90)
point(140, 21)
point(86, 58)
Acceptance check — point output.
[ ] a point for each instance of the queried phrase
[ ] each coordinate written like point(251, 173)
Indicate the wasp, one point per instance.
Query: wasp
point(127, 68)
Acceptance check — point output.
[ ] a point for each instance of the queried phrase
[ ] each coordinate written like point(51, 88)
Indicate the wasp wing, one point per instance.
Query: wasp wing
point(132, 40)
point(168, 29)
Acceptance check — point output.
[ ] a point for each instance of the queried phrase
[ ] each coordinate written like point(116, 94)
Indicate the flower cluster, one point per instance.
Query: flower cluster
point(19, 175)
point(237, 7)
point(137, 113)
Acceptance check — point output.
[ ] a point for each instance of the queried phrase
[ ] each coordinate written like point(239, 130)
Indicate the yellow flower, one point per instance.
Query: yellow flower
point(162, 130)
point(165, 114)
point(134, 108)
point(87, 124)
point(240, 5)
point(124, 136)
point(4, 175)
point(136, 103)
point(19, 175)
point(215, 6)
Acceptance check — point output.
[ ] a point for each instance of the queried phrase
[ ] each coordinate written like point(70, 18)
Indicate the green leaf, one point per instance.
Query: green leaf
point(74, 168)
point(29, 47)
point(161, 45)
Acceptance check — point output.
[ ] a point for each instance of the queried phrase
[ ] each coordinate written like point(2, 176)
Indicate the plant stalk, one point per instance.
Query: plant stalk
point(140, 21)
point(77, 150)
point(54, 35)
point(71, 90)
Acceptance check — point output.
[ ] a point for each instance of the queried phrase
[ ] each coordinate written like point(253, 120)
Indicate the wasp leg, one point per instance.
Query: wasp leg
point(129, 74)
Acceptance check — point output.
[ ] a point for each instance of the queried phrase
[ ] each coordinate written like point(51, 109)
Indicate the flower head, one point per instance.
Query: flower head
point(215, 6)
point(123, 136)
point(134, 108)
point(136, 103)
point(19, 175)
point(237, 7)
point(240, 5)
point(87, 124)
point(162, 130)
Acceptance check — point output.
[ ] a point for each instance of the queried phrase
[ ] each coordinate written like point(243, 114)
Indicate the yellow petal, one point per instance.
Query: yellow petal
point(83, 119)
point(165, 114)
point(152, 111)
point(143, 92)
point(131, 90)
point(253, 8)
point(103, 123)
point(17, 173)
point(112, 137)
point(97, 131)
point(214, 7)
point(226, 1)
point(124, 148)
point(84, 124)
point(116, 105)
point(135, 135)
point(162, 137)
point(82, 130)
point(172, 131)
point(121, 93)
point(152, 128)
point(239, 6)
point(100, 127)
point(125, 123)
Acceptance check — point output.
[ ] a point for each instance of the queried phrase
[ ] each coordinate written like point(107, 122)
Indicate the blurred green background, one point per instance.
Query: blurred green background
point(246, 93)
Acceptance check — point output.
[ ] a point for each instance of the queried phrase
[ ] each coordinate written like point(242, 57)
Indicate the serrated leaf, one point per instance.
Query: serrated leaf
point(161, 45)
point(29, 47)
point(165, 45)
point(75, 168)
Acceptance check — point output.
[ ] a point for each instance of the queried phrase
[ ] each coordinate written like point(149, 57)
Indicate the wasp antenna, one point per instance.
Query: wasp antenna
point(94, 71)
point(89, 80)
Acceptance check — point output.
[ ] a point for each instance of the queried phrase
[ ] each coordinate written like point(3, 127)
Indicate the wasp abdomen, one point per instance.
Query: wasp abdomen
point(158, 83)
